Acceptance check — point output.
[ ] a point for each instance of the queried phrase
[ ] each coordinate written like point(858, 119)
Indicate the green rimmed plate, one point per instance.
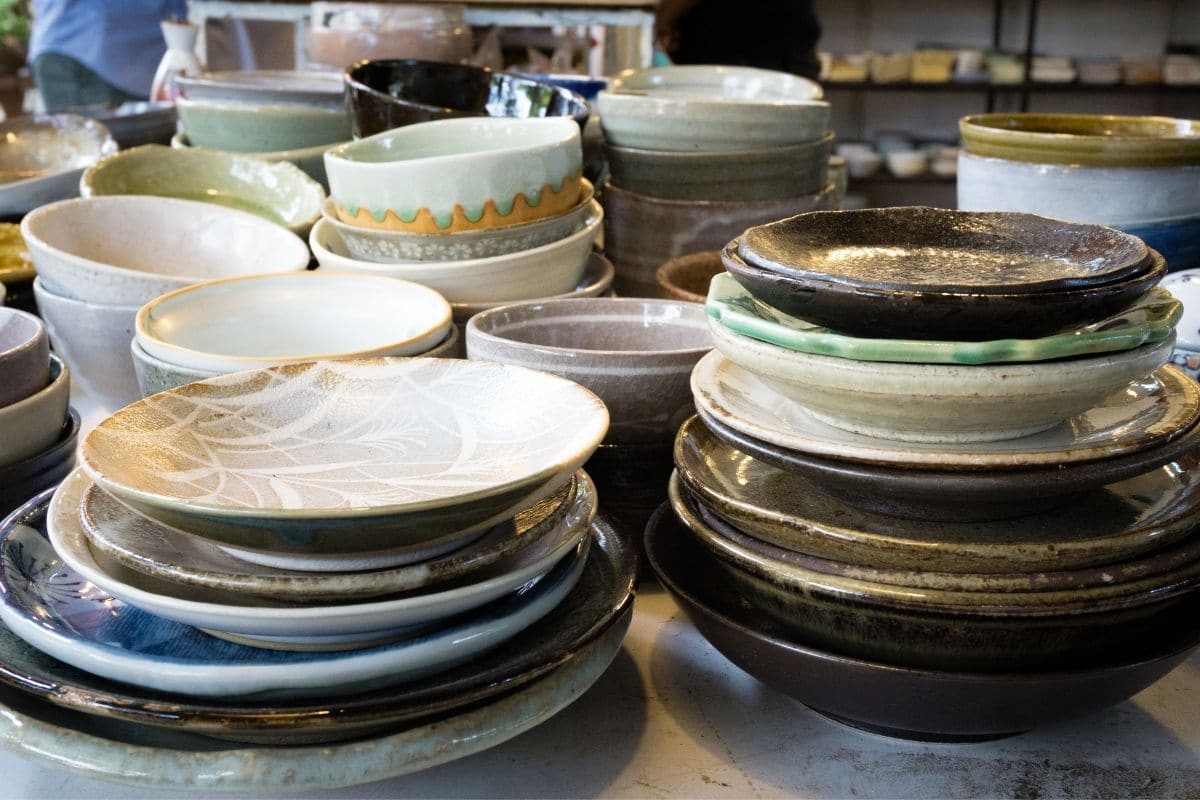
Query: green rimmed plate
point(1149, 320)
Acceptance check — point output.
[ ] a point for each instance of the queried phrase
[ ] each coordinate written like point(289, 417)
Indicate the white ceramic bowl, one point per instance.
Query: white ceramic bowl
point(862, 163)
point(33, 424)
point(266, 320)
point(907, 163)
point(128, 249)
point(309, 159)
point(711, 108)
point(93, 340)
point(1103, 195)
point(940, 402)
point(460, 174)
point(541, 272)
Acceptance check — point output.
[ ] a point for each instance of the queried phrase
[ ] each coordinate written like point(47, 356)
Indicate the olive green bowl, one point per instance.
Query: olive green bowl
point(1090, 140)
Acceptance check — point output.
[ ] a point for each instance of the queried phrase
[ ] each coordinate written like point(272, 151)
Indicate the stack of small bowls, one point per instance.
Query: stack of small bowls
point(483, 210)
point(277, 115)
point(697, 154)
point(316, 551)
point(1139, 174)
point(893, 476)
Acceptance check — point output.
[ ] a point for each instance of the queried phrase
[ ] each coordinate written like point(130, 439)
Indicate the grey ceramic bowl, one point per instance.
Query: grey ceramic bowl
point(24, 355)
point(637, 355)
point(762, 174)
point(31, 425)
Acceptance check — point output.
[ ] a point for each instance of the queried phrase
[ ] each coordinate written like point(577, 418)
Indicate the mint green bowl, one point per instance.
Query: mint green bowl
point(254, 128)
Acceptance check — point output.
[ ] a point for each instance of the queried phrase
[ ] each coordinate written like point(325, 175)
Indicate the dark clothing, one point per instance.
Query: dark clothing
point(772, 34)
point(65, 83)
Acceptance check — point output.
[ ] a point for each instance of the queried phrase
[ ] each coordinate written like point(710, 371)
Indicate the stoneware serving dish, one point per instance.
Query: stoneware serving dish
point(1157, 409)
point(919, 249)
point(24, 355)
point(267, 320)
point(401, 442)
point(385, 247)
point(43, 470)
point(387, 94)
point(1093, 194)
point(458, 174)
point(260, 127)
point(554, 268)
point(770, 173)
point(1113, 524)
point(42, 157)
point(310, 160)
point(688, 277)
point(940, 402)
point(636, 355)
point(1083, 139)
point(707, 108)
point(279, 191)
point(129, 249)
point(1177, 238)
point(265, 86)
point(943, 629)
point(956, 316)
point(922, 704)
point(1150, 319)
point(642, 233)
point(33, 424)
point(93, 341)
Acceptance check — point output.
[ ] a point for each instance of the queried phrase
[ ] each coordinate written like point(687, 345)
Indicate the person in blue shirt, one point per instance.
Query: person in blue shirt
point(97, 52)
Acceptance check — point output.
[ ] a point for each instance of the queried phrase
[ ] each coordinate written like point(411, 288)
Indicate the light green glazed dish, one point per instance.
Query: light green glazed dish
point(1149, 320)
point(310, 160)
point(253, 128)
point(1090, 140)
point(279, 191)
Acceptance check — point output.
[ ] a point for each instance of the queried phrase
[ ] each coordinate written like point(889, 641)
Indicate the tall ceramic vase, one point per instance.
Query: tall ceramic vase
point(180, 59)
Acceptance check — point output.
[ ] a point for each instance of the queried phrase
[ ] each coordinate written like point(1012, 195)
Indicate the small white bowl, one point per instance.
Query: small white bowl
point(862, 163)
point(268, 320)
point(907, 163)
point(551, 269)
point(125, 250)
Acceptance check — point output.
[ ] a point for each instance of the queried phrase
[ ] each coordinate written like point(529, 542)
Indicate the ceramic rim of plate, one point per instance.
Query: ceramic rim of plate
point(1001, 136)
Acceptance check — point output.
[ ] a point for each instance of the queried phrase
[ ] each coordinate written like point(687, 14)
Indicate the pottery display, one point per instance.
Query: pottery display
point(1087, 140)
point(689, 277)
point(310, 160)
point(42, 157)
point(260, 127)
point(32, 424)
point(24, 355)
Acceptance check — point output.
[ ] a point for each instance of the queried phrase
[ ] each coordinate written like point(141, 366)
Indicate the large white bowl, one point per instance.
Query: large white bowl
point(268, 320)
point(544, 271)
point(128, 249)
point(711, 108)
point(1101, 195)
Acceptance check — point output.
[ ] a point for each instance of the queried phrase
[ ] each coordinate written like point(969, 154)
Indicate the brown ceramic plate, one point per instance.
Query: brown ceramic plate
point(935, 314)
point(922, 704)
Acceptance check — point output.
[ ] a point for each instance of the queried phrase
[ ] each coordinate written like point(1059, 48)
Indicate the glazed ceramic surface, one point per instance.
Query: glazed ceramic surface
point(458, 174)
point(1177, 238)
point(708, 108)
point(392, 452)
point(386, 247)
point(894, 700)
point(388, 94)
point(310, 160)
point(940, 402)
point(957, 316)
point(41, 158)
point(32, 424)
point(1149, 320)
point(265, 86)
point(596, 281)
point(24, 355)
point(688, 277)
point(267, 320)
point(769, 173)
point(933, 249)
point(1186, 286)
point(31, 476)
point(260, 127)
point(1088, 140)
point(127, 250)
point(551, 269)
point(636, 355)
point(279, 192)
point(1147, 412)
point(1113, 524)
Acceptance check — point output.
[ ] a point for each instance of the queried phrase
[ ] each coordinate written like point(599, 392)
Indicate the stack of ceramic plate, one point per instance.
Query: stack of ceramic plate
point(966, 508)
point(319, 551)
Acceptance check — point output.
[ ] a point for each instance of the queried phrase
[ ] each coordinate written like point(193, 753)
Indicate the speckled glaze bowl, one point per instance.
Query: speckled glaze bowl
point(688, 277)
point(1088, 140)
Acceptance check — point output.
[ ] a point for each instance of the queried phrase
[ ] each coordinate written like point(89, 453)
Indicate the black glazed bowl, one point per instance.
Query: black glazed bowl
point(905, 702)
point(386, 94)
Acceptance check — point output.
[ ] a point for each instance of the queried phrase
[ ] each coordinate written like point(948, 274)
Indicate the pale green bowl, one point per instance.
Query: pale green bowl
point(311, 160)
point(252, 128)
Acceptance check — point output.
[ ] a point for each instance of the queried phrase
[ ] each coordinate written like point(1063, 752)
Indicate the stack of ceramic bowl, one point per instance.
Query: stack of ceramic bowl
point(230, 325)
point(321, 551)
point(37, 428)
point(697, 154)
point(1140, 174)
point(483, 210)
point(100, 259)
point(276, 115)
point(897, 484)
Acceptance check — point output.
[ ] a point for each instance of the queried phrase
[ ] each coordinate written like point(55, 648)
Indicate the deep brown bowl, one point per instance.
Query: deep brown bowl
point(688, 277)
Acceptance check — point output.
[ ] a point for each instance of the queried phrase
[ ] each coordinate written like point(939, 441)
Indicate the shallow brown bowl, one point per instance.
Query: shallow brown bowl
point(688, 277)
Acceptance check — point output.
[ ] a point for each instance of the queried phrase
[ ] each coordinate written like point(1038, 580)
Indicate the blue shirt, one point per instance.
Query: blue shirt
point(119, 40)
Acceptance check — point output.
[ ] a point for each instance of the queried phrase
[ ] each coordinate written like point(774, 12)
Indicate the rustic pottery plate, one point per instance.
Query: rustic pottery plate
point(346, 456)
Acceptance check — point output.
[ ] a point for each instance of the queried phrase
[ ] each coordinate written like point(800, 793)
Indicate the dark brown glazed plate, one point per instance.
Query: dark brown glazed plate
point(918, 249)
point(910, 703)
point(967, 317)
point(956, 495)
